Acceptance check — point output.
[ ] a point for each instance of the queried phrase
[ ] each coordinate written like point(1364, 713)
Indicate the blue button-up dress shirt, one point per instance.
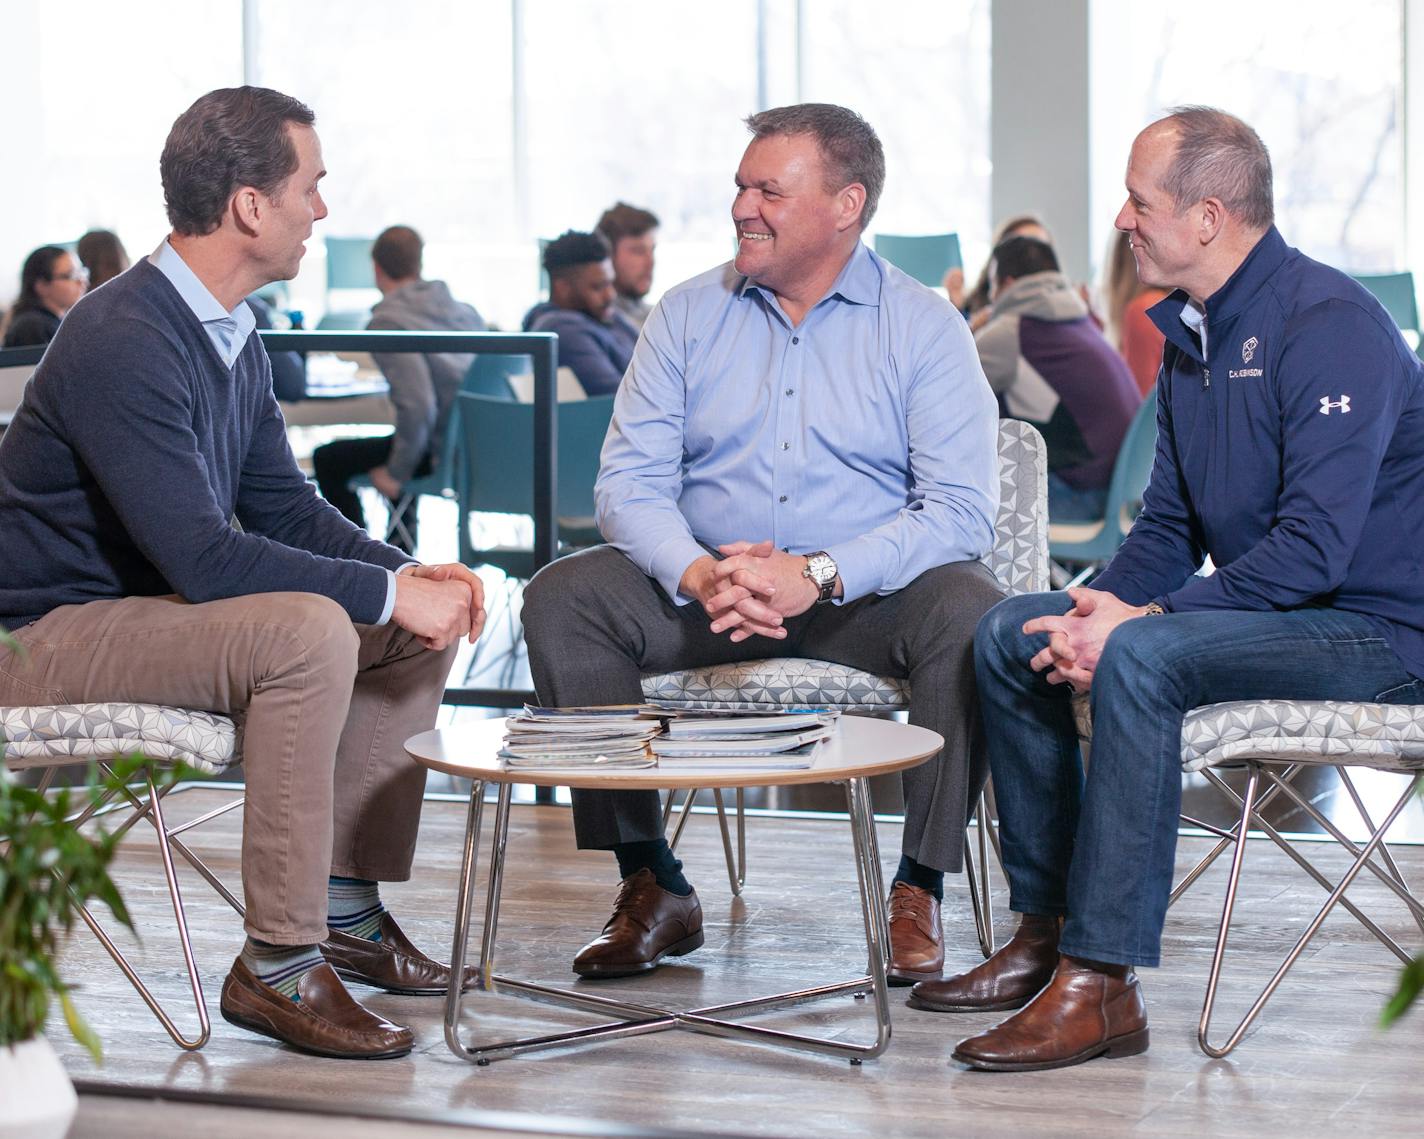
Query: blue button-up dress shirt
point(868, 431)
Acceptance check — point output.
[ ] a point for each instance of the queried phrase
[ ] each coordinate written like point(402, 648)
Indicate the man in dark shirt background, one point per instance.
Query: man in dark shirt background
point(595, 339)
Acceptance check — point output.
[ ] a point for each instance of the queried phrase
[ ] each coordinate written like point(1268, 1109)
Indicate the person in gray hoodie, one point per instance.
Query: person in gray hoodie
point(423, 385)
point(1050, 365)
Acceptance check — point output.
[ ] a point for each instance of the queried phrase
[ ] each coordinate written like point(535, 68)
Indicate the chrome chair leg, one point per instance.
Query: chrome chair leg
point(153, 808)
point(1363, 859)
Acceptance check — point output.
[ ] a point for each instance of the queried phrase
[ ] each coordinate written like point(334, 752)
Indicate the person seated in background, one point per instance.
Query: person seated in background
point(1050, 365)
point(103, 255)
point(632, 235)
point(423, 385)
point(1128, 326)
point(595, 339)
point(975, 303)
point(51, 281)
point(289, 369)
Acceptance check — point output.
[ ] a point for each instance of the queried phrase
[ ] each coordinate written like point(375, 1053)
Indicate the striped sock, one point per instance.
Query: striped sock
point(281, 966)
point(353, 905)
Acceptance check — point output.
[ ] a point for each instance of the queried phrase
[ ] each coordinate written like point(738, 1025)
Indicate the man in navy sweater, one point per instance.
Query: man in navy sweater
point(1291, 450)
point(149, 426)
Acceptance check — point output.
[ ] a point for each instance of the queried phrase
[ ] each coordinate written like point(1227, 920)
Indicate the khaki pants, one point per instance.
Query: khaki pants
point(325, 707)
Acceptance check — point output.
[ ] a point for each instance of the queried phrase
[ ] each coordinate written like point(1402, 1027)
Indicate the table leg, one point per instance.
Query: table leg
point(643, 1019)
point(464, 904)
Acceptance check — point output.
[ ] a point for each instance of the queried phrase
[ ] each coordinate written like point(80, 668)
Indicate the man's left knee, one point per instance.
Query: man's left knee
point(955, 597)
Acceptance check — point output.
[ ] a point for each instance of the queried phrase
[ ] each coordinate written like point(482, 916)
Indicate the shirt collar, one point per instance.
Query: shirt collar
point(858, 281)
point(1194, 317)
point(236, 325)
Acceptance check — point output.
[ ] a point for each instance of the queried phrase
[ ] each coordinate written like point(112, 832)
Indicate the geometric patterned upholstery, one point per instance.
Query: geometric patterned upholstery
point(41, 735)
point(1389, 737)
point(1019, 560)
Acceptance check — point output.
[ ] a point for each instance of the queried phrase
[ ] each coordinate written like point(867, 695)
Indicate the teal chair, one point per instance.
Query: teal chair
point(496, 474)
point(1396, 292)
point(926, 258)
point(489, 374)
point(485, 377)
point(348, 263)
point(1089, 545)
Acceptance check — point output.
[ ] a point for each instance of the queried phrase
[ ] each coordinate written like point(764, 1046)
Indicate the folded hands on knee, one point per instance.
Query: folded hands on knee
point(1076, 639)
point(751, 590)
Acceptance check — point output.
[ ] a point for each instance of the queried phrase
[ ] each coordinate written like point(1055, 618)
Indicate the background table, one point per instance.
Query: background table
point(860, 748)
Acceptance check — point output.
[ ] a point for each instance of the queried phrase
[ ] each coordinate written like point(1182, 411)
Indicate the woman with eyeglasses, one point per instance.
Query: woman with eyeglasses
point(50, 282)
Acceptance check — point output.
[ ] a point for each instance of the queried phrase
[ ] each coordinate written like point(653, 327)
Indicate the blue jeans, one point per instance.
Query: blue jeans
point(1101, 850)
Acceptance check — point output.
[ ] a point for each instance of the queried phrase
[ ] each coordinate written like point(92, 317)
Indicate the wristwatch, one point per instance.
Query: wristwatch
point(821, 571)
point(1152, 609)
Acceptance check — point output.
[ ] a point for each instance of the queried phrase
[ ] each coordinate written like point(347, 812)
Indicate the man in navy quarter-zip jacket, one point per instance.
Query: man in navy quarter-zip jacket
point(148, 426)
point(1291, 450)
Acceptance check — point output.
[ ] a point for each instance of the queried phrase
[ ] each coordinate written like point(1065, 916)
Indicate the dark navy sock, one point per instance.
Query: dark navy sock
point(654, 855)
point(925, 877)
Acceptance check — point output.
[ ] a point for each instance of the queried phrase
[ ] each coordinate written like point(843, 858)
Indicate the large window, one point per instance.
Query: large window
point(1322, 84)
point(90, 89)
point(922, 79)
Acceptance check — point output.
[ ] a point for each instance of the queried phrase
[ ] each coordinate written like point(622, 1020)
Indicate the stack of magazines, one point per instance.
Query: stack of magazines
point(766, 741)
point(610, 737)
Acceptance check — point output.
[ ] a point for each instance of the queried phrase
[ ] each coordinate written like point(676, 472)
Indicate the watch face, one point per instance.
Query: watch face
point(821, 569)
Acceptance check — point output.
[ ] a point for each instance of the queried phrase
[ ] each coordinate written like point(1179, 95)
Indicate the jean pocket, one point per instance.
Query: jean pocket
point(1411, 693)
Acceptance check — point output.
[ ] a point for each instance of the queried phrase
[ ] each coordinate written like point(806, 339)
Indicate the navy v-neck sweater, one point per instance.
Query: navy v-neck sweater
point(133, 448)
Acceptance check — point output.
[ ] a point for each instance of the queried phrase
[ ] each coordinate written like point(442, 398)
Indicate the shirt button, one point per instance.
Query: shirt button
point(786, 446)
point(790, 391)
point(796, 340)
point(782, 498)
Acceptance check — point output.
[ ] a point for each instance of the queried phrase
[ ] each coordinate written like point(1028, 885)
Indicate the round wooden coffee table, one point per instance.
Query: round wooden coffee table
point(861, 747)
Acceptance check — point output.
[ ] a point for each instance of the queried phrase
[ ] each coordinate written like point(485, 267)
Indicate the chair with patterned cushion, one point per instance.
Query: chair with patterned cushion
point(53, 736)
point(1019, 560)
point(1275, 740)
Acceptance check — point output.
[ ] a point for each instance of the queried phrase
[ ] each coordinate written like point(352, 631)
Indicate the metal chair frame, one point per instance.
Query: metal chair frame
point(149, 807)
point(1251, 803)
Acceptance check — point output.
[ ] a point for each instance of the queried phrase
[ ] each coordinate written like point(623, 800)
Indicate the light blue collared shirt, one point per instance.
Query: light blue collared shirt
point(868, 431)
point(228, 330)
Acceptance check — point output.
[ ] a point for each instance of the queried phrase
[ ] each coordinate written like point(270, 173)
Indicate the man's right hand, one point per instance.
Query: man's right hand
point(438, 612)
point(734, 594)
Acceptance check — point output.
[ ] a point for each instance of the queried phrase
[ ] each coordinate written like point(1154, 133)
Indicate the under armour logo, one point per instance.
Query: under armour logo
point(1248, 350)
point(1343, 403)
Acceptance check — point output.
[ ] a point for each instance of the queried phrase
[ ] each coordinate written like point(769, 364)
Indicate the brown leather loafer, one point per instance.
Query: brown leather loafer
point(648, 923)
point(326, 1020)
point(1084, 1012)
point(916, 935)
point(392, 963)
point(1007, 980)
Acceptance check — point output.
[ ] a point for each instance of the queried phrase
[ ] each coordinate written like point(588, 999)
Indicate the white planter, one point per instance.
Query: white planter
point(37, 1101)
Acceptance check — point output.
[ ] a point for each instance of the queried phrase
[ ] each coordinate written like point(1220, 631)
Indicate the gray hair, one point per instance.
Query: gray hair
point(1219, 156)
point(848, 143)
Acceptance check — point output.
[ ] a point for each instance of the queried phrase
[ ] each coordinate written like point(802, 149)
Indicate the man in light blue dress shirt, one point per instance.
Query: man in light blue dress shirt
point(802, 462)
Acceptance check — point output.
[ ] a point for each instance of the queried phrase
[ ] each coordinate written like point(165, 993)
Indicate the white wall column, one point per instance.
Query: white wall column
point(1039, 121)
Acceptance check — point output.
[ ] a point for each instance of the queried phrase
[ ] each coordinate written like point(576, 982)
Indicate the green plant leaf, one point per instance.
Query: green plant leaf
point(1411, 984)
point(80, 1028)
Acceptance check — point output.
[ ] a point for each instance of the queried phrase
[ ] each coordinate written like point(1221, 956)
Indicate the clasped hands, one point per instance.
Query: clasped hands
point(1076, 639)
point(751, 590)
point(440, 603)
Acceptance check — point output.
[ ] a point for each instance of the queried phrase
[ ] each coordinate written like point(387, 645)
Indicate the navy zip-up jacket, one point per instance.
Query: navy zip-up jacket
point(1294, 455)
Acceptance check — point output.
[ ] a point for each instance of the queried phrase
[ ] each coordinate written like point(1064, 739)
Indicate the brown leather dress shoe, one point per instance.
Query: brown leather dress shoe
point(392, 963)
point(326, 1020)
point(1084, 1012)
point(1007, 980)
point(648, 923)
point(916, 935)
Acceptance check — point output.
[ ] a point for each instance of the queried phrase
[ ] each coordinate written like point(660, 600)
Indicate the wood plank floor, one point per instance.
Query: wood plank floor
point(1316, 1065)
